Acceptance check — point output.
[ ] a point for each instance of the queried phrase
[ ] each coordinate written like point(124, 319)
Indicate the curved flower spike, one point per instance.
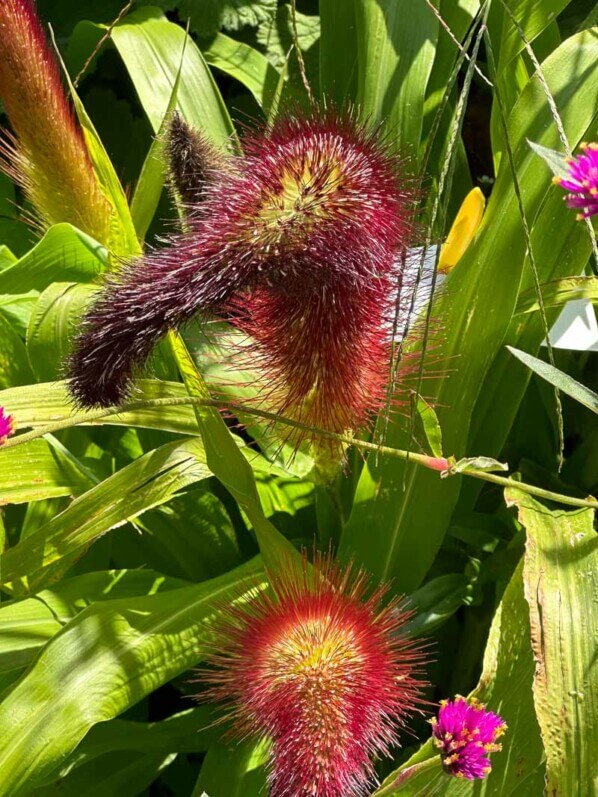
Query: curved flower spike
point(323, 672)
point(466, 734)
point(300, 241)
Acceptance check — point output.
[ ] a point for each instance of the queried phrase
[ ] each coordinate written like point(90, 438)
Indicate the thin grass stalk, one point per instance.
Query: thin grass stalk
point(395, 360)
point(555, 114)
point(528, 242)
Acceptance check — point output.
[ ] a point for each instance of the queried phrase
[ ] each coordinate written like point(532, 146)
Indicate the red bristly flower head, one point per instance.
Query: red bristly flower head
point(7, 425)
point(323, 672)
point(47, 154)
point(582, 181)
point(300, 241)
point(466, 734)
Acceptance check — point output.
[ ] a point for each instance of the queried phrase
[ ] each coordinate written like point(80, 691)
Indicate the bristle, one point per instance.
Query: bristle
point(323, 672)
point(301, 242)
point(46, 154)
point(191, 160)
point(134, 311)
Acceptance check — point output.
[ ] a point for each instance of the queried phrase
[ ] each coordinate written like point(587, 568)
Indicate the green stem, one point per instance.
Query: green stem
point(439, 464)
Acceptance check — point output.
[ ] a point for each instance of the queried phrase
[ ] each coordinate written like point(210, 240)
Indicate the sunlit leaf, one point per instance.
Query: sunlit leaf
point(145, 483)
point(559, 379)
point(558, 293)
point(102, 662)
point(560, 577)
point(27, 624)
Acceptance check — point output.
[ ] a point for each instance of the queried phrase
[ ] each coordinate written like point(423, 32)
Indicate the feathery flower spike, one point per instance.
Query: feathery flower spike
point(582, 181)
point(466, 734)
point(191, 160)
point(323, 672)
point(300, 242)
point(46, 152)
point(7, 425)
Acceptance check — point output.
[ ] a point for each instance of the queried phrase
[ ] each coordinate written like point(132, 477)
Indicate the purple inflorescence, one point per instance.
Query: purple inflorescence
point(582, 181)
point(7, 425)
point(465, 734)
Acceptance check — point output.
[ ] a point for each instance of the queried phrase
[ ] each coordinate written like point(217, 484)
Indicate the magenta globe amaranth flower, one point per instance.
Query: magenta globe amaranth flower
point(466, 734)
point(7, 425)
point(324, 670)
point(299, 243)
point(582, 181)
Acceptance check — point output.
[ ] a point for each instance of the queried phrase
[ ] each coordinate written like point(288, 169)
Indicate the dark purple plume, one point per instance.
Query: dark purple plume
point(134, 311)
point(190, 158)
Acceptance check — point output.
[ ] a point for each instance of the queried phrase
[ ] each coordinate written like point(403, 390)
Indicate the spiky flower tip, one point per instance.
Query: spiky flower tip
point(46, 152)
point(7, 425)
point(300, 242)
point(582, 181)
point(466, 734)
point(190, 158)
point(323, 672)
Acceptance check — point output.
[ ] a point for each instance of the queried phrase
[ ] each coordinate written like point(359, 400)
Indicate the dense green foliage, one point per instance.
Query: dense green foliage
point(122, 532)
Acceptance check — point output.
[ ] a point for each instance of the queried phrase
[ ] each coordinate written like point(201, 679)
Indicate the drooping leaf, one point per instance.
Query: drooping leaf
point(559, 379)
point(560, 577)
point(145, 483)
point(558, 293)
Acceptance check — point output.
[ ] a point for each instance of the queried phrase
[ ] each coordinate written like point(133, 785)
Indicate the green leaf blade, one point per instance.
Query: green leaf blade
point(561, 583)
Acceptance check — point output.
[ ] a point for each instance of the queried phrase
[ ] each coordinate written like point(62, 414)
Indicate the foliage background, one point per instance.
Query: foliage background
point(120, 532)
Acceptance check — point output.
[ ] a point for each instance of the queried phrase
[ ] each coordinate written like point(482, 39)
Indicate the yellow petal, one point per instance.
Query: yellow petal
point(463, 230)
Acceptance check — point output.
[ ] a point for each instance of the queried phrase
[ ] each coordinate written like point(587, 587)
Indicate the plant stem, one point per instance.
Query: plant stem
point(439, 464)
